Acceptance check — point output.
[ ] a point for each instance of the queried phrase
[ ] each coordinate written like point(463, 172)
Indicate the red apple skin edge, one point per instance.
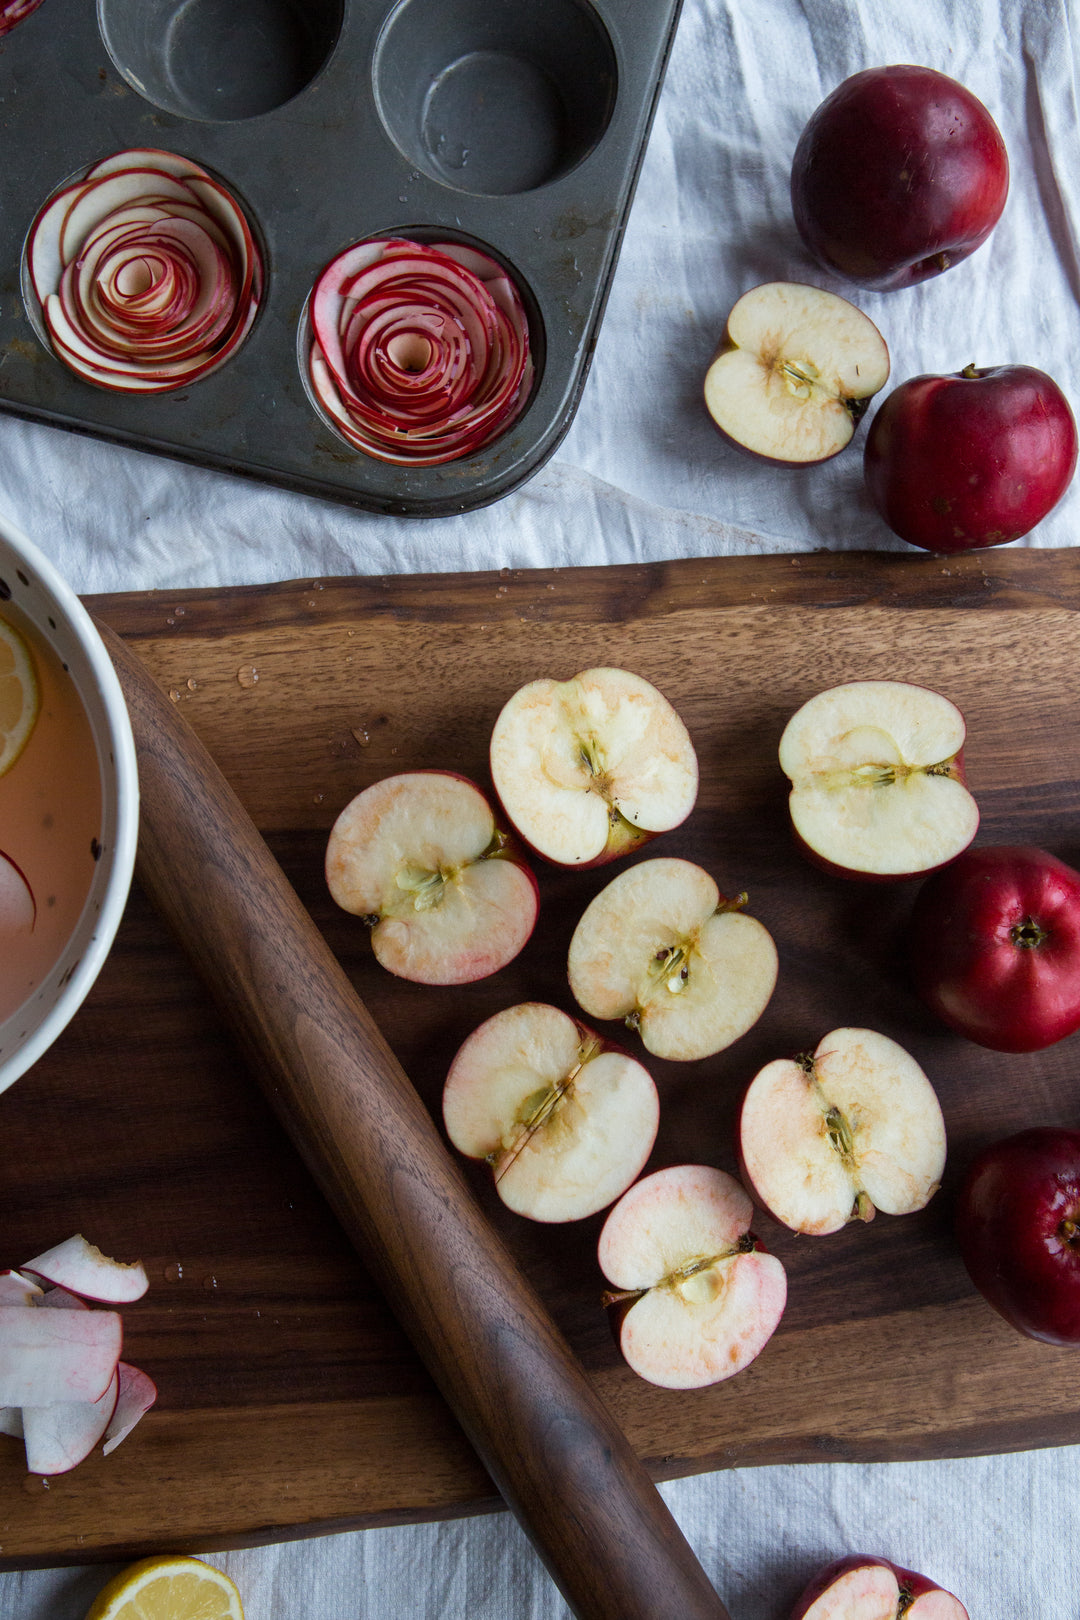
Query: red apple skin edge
point(1018, 1229)
point(912, 1585)
point(899, 174)
point(994, 947)
point(977, 458)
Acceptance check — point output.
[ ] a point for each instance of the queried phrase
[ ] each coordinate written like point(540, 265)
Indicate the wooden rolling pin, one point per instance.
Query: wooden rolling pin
point(552, 1448)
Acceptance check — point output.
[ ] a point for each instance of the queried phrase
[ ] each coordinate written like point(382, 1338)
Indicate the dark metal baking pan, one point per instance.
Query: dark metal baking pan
point(517, 125)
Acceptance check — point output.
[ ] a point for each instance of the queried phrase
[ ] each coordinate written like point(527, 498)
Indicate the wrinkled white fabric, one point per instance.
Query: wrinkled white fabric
point(642, 476)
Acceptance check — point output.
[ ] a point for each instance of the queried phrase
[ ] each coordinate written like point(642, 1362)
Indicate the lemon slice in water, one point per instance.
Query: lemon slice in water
point(170, 1587)
point(18, 695)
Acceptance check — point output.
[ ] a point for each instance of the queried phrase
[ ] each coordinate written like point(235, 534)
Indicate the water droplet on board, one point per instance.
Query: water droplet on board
point(209, 1282)
point(361, 736)
point(174, 696)
point(179, 611)
point(173, 1273)
point(192, 683)
point(318, 799)
point(247, 676)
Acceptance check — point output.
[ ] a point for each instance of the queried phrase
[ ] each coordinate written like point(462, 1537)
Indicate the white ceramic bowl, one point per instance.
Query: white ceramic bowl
point(30, 584)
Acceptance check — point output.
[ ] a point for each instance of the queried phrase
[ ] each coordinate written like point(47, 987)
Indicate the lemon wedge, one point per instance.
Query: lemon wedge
point(18, 695)
point(169, 1587)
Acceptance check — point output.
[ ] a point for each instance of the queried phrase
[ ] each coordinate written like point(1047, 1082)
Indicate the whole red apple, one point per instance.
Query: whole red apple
point(994, 947)
point(871, 1588)
point(1018, 1227)
point(899, 174)
point(973, 459)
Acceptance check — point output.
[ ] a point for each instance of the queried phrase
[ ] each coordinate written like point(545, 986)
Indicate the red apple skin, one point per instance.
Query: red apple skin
point(912, 1585)
point(976, 458)
point(899, 174)
point(994, 947)
point(1018, 1228)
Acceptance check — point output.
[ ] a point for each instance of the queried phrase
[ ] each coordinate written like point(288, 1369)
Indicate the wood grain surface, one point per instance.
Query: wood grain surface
point(291, 1402)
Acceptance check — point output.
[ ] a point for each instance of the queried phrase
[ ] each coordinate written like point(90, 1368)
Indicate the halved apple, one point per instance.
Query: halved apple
point(589, 769)
point(565, 1119)
point(443, 888)
point(794, 373)
point(834, 1135)
point(877, 779)
point(698, 1296)
point(662, 949)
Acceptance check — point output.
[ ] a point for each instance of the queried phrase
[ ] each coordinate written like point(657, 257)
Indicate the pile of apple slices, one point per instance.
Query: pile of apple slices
point(442, 886)
point(63, 1386)
point(591, 768)
point(146, 272)
point(832, 1136)
point(565, 1119)
point(697, 1296)
point(662, 949)
point(877, 779)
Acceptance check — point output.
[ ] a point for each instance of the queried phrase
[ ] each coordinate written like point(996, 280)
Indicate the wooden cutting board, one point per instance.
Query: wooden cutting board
point(290, 1402)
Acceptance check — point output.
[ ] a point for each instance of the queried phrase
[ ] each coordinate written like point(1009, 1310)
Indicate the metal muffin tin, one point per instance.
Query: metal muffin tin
point(516, 125)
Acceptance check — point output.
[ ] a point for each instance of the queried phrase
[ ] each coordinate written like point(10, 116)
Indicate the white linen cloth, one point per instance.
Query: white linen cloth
point(642, 476)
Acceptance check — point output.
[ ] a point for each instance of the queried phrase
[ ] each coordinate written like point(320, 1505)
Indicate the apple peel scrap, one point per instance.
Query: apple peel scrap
point(835, 1135)
point(697, 1295)
point(877, 779)
point(63, 1386)
point(565, 1119)
point(662, 949)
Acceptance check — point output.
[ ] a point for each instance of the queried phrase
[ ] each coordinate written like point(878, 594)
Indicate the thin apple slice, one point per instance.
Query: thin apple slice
point(137, 1394)
point(662, 949)
point(794, 373)
point(877, 779)
point(588, 769)
point(15, 1289)
point(445, 893)
point(81, 1267)
point(565, 1119)
point(18, 909)
point(700, 1297)
point(51, 1356)
point(61, 1436)
point(831, 1137)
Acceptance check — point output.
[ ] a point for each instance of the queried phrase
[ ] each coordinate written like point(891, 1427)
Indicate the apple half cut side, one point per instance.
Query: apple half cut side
point(589, 769)
point(661, 948)
point(871, 1588)
point(443, 888)
point(697, 1296)
point(877, 779)
point(832, 1136)
point(794, 373)
point(565, 1119)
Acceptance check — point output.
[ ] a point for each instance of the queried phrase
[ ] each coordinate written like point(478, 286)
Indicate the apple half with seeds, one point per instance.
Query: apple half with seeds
point(835, 1135)
point(421, 859)
point(794, 373)
point(869, 1588)
point(697, 1295)
point(661, 948)
point(589, 769)
point(565, 1119)
point(877, 779)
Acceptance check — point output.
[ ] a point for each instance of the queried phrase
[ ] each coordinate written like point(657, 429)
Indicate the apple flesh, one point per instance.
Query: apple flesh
point(662, 949)
point(975, 459)
point(589, 769)
point(870, 1588)
point(698, 1297)
point(834, 1135)
point(794, 373)
point(899, 174)
point(442, 887)
point(18, 909)
point(565, 1119)
point(994, 947)
point(877, 779)
point(1018, 1228)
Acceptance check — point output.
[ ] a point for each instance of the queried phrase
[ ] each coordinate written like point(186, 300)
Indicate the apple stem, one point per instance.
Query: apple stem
point(739, 903)
point(1027, 935)
point(620, 1296)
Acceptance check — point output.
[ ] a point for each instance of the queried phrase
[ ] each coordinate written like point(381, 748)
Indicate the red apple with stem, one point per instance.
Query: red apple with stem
point(871, 1588)
point(973, 459)
point(1018, 1227)
point(994, 947)
point(899, 174)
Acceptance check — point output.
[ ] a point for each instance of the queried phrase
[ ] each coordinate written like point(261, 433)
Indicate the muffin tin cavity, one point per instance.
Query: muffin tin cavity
point(514, 126)
point(495, 99)
point(219, 59)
